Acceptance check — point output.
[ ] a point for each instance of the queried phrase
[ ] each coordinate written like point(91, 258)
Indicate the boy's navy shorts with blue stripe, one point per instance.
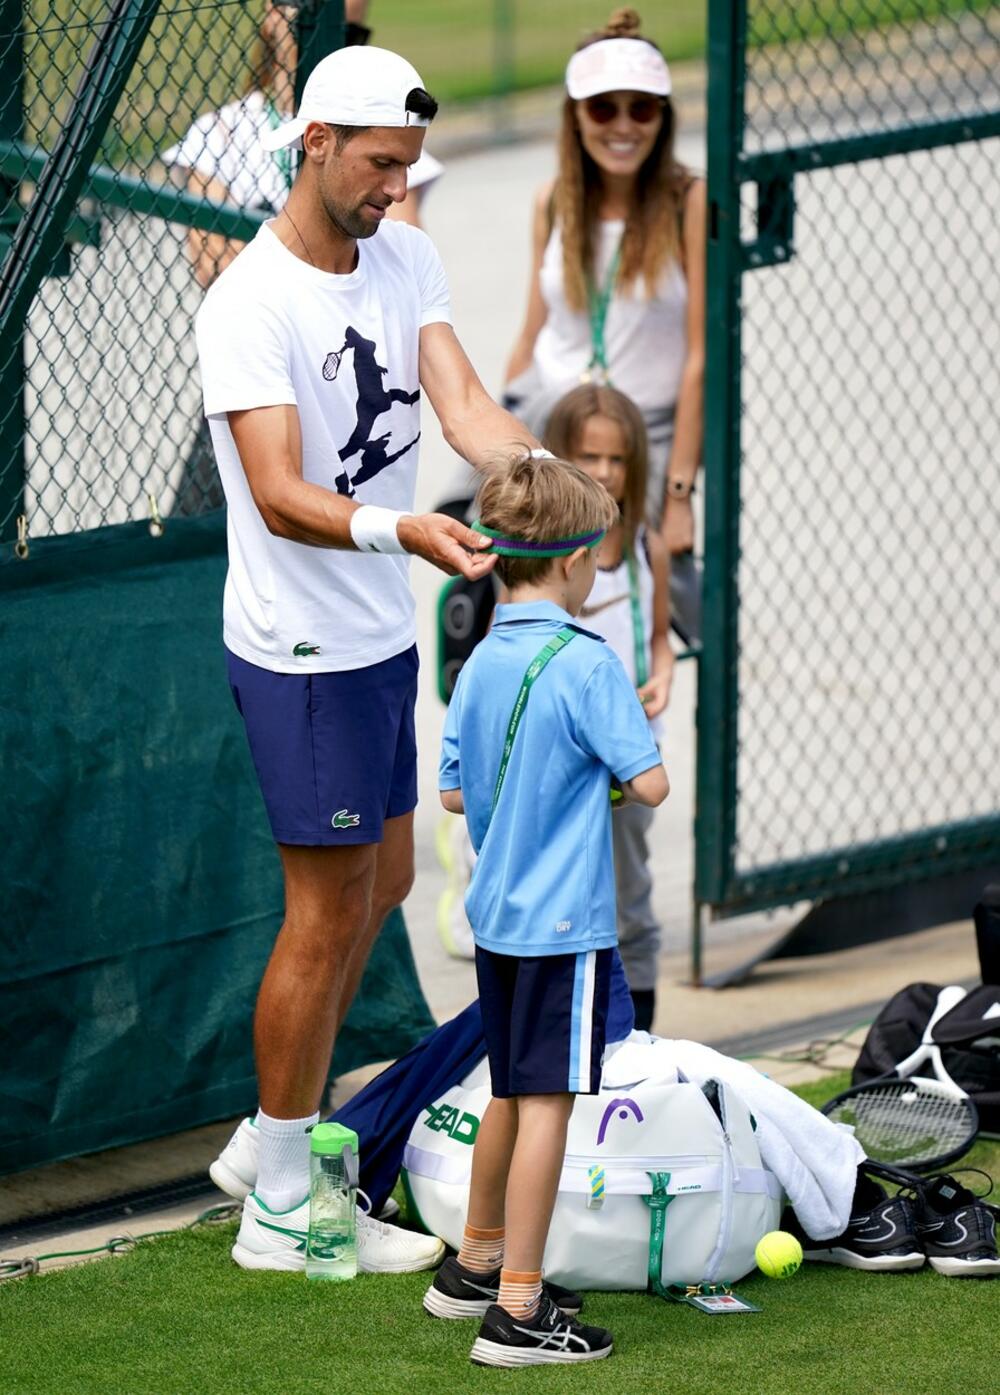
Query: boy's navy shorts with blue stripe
point(544, 1021)
point(335, 753)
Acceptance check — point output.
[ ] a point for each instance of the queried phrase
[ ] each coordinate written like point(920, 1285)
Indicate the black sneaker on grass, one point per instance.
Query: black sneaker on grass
point(549, 1337)
point(458, 1292)
point(880, 1236)
point(956, 1229)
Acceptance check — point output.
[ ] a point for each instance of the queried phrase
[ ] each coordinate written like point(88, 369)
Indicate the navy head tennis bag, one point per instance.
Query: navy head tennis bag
point(968, 1035)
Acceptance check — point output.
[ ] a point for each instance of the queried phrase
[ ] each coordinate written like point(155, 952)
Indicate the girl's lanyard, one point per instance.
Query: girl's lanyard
point(598, 302)
point(557, 642)
point(638, 629)
point(283, 157)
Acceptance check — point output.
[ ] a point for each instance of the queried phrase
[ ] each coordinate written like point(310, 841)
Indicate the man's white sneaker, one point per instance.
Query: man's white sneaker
point(386, 1249)
point(235, 1169)
point(272, 1239)
point(277, 1240)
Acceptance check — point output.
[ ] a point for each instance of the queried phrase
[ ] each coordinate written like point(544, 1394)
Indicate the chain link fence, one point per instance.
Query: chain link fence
point(107, 425)
point(864, 591)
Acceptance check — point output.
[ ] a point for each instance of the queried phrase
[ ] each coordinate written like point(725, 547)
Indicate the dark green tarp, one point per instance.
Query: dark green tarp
point(141, 891)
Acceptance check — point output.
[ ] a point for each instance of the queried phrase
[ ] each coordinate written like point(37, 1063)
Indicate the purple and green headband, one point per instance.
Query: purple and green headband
point(506, 546)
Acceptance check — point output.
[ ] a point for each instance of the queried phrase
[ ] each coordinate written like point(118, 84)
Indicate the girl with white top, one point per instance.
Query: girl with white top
point(617, 291)
point(600, 430)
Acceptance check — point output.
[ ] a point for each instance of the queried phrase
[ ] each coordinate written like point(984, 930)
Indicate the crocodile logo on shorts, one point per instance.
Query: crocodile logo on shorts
point(305, 650)
point(344, 819)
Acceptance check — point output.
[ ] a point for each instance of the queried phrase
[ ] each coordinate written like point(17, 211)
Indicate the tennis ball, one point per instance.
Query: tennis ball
point(778, 1254)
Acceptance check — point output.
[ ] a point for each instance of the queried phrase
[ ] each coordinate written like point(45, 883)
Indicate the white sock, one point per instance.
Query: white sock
point(283, 1160)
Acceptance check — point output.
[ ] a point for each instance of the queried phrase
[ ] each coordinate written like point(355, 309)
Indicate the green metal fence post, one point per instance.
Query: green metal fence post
point(717, 674)
point(39, 233)
point(12, 352)
point(320, 31)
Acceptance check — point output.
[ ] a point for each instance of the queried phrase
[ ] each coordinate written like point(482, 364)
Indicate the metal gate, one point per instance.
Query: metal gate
point(849, 692)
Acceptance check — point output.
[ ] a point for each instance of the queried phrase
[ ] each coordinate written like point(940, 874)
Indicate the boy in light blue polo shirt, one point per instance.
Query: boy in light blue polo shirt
point(542, 719)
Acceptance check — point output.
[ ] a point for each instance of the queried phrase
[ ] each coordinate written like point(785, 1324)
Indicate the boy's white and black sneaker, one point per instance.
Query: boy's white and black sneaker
point(880, 1237)
point(956, 1229)
point(458, 1292)
point(550, 1336)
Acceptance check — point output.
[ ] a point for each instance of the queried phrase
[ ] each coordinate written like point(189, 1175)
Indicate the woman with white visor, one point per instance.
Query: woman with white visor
point(617, 291)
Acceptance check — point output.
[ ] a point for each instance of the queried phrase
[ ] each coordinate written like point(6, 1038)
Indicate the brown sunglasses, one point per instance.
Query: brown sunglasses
point(641, 110)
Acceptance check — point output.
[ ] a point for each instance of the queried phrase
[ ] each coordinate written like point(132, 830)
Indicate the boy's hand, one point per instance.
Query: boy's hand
point(655, 694)
point(448, 544)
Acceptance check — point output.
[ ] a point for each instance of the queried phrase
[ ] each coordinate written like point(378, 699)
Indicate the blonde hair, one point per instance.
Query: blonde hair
point(540, 500)
point(564, 430)
point(652, 237)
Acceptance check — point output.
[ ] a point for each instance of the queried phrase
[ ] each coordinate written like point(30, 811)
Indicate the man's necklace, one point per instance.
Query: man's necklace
point(300, 237)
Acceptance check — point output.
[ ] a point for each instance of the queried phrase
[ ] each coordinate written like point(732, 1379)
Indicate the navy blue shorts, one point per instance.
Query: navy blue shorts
point(544, 1021)
point(336, 753)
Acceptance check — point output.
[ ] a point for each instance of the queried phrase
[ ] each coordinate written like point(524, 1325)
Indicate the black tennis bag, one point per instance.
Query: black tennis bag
point(968, 1035)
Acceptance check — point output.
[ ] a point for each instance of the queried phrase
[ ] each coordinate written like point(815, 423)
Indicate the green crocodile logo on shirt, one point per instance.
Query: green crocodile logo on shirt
point(343, 819)
point(303, 650)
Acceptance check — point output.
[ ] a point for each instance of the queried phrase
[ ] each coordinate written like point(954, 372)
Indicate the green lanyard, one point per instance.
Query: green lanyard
point(557, 642)
point(638, 629)
point(598, 302)
point(283, 157)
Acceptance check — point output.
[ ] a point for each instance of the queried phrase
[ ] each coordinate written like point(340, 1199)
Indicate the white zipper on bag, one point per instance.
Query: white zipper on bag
point(726, 1197)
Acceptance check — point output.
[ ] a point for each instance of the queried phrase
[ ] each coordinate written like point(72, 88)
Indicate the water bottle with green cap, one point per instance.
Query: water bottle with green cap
point(332, 1249)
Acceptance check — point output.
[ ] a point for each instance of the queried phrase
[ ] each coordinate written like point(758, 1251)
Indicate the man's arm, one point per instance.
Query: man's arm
point(473, 424)
point(452, 801)
point(269, 442)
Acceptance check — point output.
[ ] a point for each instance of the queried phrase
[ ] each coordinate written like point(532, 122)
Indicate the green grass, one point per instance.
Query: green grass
point(176, 1317)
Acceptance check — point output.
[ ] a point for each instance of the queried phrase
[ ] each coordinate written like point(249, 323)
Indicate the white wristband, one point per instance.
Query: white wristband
point(540, 453)
point(375, 529)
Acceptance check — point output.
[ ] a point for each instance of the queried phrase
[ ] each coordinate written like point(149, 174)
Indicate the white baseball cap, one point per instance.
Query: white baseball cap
point(617, 65)
point(356, 86)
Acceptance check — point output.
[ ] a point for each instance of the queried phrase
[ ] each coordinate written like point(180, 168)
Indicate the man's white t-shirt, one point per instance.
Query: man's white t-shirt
point(344, 351)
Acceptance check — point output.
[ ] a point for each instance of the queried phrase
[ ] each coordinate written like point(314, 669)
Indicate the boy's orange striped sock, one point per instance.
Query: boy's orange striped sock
point(482, 1250)
point(520, 1294)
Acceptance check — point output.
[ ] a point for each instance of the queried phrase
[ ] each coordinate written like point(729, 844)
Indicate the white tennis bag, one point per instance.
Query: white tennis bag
point(661, 1178)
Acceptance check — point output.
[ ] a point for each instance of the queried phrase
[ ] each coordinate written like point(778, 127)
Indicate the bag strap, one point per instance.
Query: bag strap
point(598, 303)
point(548, 652)
point(638, 629)
point(282, 158)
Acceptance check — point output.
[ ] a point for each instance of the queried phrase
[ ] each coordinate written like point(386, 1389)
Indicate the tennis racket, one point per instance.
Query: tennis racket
point(910, 1120)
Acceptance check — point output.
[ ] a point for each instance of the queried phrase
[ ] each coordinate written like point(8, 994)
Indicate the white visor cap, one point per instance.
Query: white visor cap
point(356, 86)
point(617, 65)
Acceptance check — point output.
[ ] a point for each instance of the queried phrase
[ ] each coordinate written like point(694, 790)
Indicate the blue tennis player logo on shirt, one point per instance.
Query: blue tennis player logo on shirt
point(374, 399)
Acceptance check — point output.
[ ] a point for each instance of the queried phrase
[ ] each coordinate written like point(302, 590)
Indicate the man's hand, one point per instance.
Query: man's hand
point(446, 543)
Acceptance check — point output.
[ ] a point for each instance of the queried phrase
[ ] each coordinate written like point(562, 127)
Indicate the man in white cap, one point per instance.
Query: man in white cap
point(315, 344)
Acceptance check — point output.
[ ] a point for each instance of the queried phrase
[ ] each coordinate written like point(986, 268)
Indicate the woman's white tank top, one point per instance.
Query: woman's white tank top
point(645, 340)
point(607, 611)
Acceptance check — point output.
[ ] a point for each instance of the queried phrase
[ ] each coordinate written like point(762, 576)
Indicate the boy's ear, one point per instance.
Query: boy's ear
point(573, 560)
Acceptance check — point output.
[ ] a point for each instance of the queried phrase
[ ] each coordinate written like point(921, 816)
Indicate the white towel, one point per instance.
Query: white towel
point(815, 1160)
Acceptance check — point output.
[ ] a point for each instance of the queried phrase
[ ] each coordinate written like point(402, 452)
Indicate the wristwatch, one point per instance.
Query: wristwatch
point(680, 489)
